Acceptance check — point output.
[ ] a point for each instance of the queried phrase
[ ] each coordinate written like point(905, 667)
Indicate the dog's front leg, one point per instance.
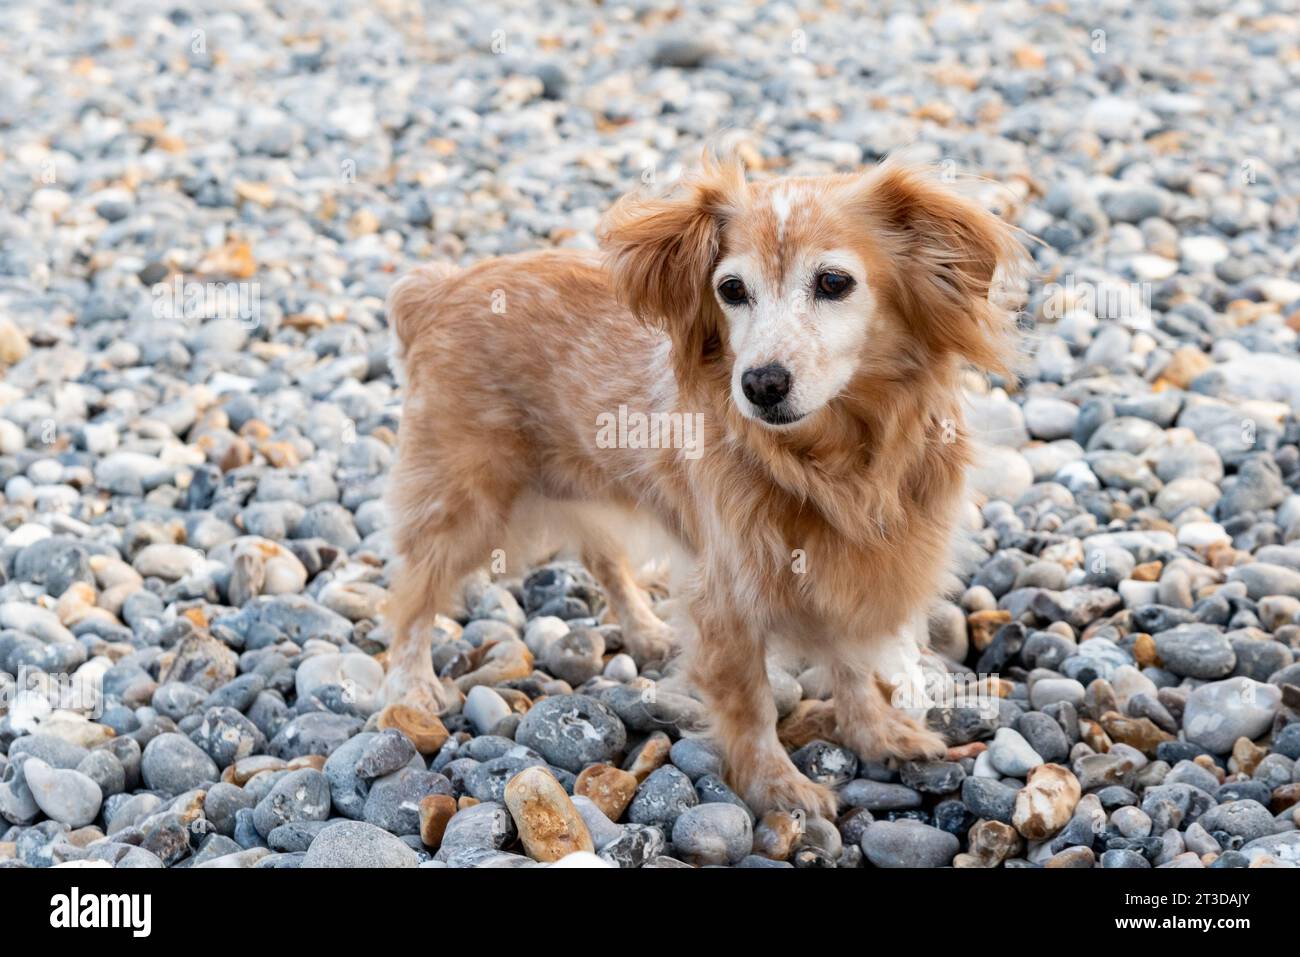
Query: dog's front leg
point(727, 665)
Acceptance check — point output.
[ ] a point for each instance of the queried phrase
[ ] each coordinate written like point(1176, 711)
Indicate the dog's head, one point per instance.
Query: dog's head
point(793, 291)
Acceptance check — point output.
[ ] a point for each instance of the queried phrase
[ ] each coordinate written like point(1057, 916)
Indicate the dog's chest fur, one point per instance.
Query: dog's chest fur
point(804, 549)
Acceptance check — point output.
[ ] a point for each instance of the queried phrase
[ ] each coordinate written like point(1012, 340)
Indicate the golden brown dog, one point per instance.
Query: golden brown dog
point(818, 328)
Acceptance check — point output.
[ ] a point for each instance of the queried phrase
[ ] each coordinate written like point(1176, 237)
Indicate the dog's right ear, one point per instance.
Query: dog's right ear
point(660, 251)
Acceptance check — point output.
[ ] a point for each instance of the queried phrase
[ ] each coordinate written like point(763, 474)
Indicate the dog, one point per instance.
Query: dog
point(820, 327)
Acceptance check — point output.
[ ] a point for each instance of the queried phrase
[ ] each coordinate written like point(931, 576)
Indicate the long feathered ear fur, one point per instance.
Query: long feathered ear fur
point(948, 249)
point(660, 251)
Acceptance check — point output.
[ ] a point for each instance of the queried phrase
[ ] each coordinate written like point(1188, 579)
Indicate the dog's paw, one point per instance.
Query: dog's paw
point(917, 743)
point(789, 791)
point(424, 694)
point(899, 737)
point(649, 645)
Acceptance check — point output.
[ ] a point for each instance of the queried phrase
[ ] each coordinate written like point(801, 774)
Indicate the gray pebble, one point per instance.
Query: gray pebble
point(357, 844)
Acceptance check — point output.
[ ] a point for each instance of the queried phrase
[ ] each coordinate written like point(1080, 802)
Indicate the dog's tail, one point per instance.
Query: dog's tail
point(410, 304)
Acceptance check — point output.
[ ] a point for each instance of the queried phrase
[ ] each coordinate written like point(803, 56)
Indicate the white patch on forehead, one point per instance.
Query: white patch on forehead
point(781, 207)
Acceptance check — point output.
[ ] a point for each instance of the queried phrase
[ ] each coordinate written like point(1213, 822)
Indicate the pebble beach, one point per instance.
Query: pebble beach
point(202, 207)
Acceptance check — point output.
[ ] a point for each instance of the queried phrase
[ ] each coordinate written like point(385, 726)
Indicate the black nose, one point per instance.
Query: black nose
point(767, 386)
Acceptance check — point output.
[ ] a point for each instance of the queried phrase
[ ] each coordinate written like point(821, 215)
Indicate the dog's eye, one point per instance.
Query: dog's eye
point(833, 285)
point(733, 292)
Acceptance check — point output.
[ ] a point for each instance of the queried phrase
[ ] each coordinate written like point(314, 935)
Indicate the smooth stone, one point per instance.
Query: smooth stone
point(1263, 580)
point(662, 798)
point(1046, 802)
point(906, 843)
point(603, 831)
point(987, 798)
point(296, 837)
point(485, 709)
point(226, 736)
point(393, 802)
point(348, 789)
point(933, 777)
point(611, 789)
point(436, 812)
point(65, 795)
point(695, 758)
point(1123, 858)
point(572, 731)
point(317, 732)
point(576, 657)
point(548, 824)
point(302, 795)
point(172, 763)
point(1049, 691)
point(1245, 819)
point(1044, 736)
point(361, 674)
point(1196, 651)
point(1284, 846)
point(636, 846)
point(487, 825)
point(826, 763)
point(388, 751)
point(713, 834)
point(1049, 419)
point(1220, 712)
point(54, 751)
point(1131, 821)
point(1012, 755)
point(879, 795)
point(357, 844)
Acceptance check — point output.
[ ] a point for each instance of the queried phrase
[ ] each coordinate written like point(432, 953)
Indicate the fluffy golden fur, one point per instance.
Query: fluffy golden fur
point(824, 522)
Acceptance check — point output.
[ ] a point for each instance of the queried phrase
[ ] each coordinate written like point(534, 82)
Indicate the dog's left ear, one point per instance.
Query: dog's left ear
point(660, 250)
point(946, 249)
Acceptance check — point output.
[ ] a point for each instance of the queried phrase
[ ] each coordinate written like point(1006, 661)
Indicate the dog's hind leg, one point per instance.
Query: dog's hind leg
point(647, 639)
point(442, 530)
